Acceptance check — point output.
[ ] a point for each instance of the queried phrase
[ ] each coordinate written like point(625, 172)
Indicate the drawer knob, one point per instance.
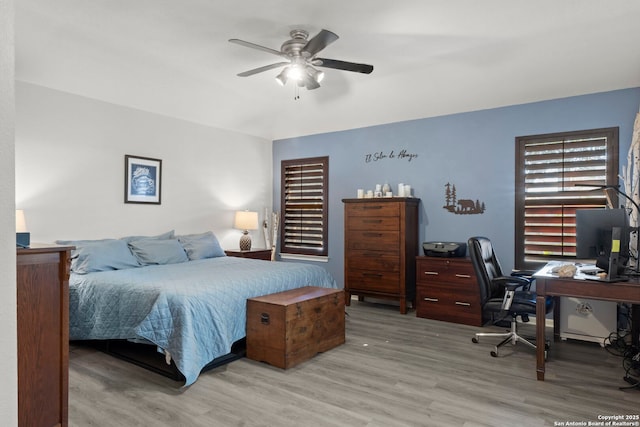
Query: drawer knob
point(466, 304)
point(431, 273)
point(463, 276)
point(431, 299)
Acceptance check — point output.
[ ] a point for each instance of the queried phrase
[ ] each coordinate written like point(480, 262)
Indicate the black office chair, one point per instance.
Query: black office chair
point(499, 294)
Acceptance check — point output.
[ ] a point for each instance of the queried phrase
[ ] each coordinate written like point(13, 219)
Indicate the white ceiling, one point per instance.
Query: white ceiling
point(431, 57)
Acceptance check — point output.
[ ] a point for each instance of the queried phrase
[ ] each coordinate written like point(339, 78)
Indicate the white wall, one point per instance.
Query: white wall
point(8, 361)
point(70, 170)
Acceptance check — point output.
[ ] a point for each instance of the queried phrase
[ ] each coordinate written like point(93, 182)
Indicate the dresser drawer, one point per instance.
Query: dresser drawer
point(449, 271)
point(387, 241)
point(373, 209)
point(453, 277)
point(373, 260)
point(449, 294)
point(376, 281)
point(448, 306)
point(382, 223)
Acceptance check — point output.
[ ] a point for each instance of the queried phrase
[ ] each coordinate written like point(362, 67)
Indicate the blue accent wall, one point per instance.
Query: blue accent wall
point(474, 150)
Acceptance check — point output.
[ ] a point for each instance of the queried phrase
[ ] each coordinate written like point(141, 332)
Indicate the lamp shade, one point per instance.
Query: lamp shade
point(21, 224)
point(23, 237)
point(246, 220)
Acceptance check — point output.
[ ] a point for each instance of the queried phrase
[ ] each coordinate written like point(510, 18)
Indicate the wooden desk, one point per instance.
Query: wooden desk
point(547, 285)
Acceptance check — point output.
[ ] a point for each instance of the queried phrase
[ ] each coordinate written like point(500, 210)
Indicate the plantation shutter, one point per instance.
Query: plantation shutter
point(304, 206)
point(556, 175)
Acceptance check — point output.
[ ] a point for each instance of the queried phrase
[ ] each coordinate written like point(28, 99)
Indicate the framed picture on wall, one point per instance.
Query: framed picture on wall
point(142, 180)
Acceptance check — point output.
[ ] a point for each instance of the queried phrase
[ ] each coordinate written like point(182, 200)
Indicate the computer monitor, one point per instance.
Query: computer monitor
point(603, 235)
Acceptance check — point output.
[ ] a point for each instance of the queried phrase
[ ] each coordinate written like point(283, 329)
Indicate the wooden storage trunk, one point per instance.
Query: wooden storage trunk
point(287, 328)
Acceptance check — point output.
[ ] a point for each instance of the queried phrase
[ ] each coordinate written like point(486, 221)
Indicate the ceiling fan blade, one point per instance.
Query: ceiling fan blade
point(343, 65)
point(321, 40)
point(261, 69)
point(256, 46)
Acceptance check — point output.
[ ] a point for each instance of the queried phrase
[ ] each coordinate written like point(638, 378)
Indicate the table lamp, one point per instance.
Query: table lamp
point(23, 237)
point(246, 221)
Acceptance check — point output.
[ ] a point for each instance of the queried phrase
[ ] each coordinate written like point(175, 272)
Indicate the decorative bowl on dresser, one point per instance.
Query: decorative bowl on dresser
point(447, 290)
point(380, 246)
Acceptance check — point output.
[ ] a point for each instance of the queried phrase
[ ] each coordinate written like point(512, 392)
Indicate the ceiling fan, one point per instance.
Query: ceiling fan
point(301, 61)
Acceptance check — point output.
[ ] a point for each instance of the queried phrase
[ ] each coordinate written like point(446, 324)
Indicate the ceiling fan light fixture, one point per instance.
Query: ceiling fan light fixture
point(283, 76)
point(295, 72)
point(316, 75)
point(309, 82)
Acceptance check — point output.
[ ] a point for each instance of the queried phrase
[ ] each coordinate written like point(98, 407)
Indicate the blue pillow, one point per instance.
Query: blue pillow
point(156, 251)
point(200, 246)
point(168, 235)
point(99, 255)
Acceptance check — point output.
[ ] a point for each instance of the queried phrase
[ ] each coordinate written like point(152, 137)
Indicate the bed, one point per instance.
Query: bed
point(191, 307)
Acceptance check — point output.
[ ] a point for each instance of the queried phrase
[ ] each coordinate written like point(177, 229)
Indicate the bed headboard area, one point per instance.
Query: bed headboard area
point(137, 251)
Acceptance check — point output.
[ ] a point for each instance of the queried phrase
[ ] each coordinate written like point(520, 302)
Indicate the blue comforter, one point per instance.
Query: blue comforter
point(194, 310)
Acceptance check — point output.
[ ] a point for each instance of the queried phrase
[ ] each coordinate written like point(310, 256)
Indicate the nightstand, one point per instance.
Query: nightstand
point(263, 254)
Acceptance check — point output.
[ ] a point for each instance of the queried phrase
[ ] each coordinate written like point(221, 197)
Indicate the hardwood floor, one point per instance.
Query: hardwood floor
point(393, 370)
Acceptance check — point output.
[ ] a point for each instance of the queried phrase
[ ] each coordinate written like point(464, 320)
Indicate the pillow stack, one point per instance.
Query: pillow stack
point(135, 251)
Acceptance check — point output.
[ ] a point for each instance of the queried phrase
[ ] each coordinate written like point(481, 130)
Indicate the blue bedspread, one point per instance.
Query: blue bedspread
point(194, 310)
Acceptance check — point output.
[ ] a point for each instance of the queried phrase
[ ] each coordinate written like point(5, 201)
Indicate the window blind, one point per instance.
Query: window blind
point(556, 175)
point(304, 206)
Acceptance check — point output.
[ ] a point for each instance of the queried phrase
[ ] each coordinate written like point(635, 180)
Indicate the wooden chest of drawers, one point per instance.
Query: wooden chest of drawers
point(287, 328)
point(447, 290)
point(381, 242)
point(43, 335)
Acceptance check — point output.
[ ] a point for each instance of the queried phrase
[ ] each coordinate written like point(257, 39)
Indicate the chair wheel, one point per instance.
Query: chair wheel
point(474, 340)
point(494, 353)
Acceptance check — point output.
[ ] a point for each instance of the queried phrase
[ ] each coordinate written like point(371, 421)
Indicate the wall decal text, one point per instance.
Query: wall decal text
point(381, 155)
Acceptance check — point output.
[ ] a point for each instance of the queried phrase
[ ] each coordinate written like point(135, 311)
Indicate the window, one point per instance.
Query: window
point(304, 205)
point(553, 175)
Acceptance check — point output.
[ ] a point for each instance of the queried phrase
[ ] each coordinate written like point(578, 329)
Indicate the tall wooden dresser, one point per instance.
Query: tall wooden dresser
point(380, 246)
point(43, 335)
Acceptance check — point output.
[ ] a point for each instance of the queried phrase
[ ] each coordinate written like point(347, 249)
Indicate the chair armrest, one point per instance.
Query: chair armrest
point(511, 283)
point(523, 273)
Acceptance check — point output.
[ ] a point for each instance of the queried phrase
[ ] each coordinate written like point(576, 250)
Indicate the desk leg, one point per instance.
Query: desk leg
point(556, 319)
point(540, 335)
point(635, 326)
